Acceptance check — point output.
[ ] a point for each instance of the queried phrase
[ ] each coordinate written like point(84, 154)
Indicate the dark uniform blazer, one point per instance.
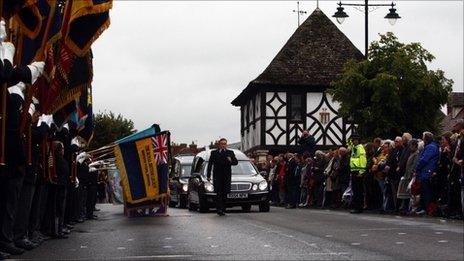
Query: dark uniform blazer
point(222, 169)
point(15, 155)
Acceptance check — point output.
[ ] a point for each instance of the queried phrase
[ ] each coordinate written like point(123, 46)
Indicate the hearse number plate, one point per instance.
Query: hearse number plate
point(237, 195)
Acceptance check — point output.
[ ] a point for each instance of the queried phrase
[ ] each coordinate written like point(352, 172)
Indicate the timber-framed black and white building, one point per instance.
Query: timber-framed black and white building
point(290, 95)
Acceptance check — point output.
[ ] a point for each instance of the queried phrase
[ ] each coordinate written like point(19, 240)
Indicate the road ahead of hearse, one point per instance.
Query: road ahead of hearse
point(283, 234)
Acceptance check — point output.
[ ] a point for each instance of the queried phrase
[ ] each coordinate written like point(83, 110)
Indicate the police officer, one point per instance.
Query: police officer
point(358, 163)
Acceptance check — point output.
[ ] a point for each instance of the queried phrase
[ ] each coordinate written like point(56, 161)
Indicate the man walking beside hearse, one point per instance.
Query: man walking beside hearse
point(221, 161)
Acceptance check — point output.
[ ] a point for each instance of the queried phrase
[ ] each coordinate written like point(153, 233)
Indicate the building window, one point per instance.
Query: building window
point(296, 107)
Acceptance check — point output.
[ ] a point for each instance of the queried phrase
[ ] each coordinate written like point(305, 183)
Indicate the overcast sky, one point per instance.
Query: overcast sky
point(180, 64)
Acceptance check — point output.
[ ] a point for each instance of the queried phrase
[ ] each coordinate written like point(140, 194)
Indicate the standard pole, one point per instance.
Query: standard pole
point(3, 98)
point(366, 25)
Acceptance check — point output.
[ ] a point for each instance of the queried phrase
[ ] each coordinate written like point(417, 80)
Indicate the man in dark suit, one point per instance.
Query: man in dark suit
point(221, 161)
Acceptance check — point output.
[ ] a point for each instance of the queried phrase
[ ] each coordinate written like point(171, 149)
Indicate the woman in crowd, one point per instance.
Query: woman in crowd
point(281, 180)
point(332, 180)
point(318, 178)
point(273, 182)
point(343, 173)
point(378, 169)
point(427, 164)
point(458, 173)
point(403, 193)
point(440, 177)
point(373, 197)
point(305, 181)
point(391, 173)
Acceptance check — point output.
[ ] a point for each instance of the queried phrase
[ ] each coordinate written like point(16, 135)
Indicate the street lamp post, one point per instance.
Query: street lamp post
point(340, 15)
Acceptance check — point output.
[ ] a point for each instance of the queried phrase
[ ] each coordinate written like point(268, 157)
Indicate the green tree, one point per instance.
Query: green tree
point(392, 91)
point(108, 128)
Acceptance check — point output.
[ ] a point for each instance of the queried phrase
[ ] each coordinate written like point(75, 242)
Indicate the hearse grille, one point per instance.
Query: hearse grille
point(240, 186)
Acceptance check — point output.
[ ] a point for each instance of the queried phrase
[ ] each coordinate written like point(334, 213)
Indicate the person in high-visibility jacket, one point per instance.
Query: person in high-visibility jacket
point(358, 164)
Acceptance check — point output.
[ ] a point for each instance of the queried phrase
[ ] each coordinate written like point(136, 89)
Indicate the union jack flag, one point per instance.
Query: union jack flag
point(160, 146)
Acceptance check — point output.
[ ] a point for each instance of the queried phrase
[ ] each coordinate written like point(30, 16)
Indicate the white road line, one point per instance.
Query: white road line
point(121, 248)
point(399, 243)
point(328, 236)
point(401, 233)
point(328, 253)
point(156, 256)
point(442, 241)
point(439, 233)
point(167, 246)
point(355, 244)
point(83, 246)
point(364, 235)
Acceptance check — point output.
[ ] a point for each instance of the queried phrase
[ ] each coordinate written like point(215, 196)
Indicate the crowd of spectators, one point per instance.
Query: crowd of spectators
point(403, 175)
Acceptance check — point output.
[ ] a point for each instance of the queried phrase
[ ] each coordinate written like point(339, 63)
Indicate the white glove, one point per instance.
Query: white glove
point(3, 33)
point(81, 157)
point(17, 89)
point(48, 119)
point(75, 141)
point(77, 183)
point(32, 109)
point(8, 51)
point(37, 69)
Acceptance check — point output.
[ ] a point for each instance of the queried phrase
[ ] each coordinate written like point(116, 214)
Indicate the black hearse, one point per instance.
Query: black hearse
point(248, 186)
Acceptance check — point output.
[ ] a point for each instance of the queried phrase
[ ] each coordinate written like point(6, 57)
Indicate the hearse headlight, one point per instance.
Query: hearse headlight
point(185, 187)
point(209, 187)
point(262, 185)
point(255, 187)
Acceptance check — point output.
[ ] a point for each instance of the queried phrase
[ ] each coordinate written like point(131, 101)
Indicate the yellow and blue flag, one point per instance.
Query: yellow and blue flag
point(143, 166)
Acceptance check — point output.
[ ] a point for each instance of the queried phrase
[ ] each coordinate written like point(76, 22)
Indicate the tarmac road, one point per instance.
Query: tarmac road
point(282, 234)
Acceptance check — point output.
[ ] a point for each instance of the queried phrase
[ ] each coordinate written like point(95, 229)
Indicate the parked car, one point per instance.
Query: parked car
point(178, 180)
point(248, 186)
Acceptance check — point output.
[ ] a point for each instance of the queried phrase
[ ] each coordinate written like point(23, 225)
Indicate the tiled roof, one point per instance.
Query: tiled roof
point(313, 56)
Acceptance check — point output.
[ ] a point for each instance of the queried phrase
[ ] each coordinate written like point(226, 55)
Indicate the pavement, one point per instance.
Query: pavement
point(281, 234)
